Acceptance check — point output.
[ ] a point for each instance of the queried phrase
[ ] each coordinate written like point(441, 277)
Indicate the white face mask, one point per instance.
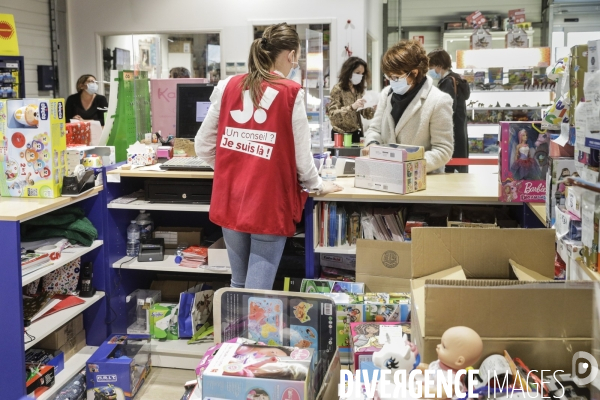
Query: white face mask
point(400, 87)
point(92, 88)
point(356, 79)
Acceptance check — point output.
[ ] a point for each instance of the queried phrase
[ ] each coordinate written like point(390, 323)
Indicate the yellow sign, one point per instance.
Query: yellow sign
point(9, 45)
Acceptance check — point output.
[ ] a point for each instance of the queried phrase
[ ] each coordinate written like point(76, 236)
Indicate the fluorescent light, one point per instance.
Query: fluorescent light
point(507, 58)
point(314, 62)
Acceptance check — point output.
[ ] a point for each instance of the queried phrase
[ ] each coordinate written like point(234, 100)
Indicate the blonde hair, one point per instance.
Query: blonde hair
point(263, 53)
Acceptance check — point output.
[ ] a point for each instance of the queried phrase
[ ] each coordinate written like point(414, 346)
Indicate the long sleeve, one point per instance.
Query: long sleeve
point(373, 134)
point(447, 86)
point(205, 142)
point(70, 107)
point(441, 135)
point(343, 118)
point(305, 164)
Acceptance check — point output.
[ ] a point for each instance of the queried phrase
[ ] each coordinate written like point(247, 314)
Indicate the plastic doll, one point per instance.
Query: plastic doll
point(523, 165)
point(257, 394)
point(269, 368)
point(248, 352)
point(460, 348)
point(364, 334)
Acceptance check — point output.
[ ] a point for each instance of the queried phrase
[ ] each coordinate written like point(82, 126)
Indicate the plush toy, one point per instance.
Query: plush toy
point(397, 354)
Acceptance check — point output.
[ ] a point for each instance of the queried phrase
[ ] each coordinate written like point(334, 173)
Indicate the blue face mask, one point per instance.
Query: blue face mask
point(292, 74)
point(433, 74)
point(400, 87)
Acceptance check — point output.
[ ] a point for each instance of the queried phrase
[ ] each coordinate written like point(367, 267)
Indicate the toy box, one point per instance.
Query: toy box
point(140, 154)
point(326, 286)
point(40, 381)
point(78, 155)
point(388, 176)
point(118, 368)
point(284, 376)
point(523, 162)
point(365, 338)
point(33, 144)
point(558, 169)
point(396, 152)
point(139, 303)
point(163, 321)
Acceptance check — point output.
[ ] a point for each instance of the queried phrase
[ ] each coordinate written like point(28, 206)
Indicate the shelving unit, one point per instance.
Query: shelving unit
point(66, 257)
point(177, 353)
point(345, 249)
point(148, 206)
point(43, 327)
point(168, 265)
point(72, 367)
point(504, 108)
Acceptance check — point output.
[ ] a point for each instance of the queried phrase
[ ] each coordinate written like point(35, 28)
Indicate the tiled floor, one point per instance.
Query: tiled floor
point(165, 384)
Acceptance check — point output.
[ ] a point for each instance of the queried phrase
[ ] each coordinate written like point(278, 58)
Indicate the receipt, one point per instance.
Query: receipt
point(372, 99)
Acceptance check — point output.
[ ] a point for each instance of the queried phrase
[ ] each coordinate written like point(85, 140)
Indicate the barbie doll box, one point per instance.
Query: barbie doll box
point(523, 162)
point(245, 372)
point(389, 176)
point(32, 147)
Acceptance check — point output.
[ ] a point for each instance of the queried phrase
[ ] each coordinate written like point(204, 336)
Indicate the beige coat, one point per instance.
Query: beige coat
point(343, 118)
point(426, 122)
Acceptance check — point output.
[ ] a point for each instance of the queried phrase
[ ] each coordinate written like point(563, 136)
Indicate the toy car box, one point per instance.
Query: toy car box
point(32, 147)
point(118, 368)
point(272, 377)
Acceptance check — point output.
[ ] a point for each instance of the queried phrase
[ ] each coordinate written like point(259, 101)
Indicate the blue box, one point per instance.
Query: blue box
point(37, 356)
point(119, 367)
point(227, 376)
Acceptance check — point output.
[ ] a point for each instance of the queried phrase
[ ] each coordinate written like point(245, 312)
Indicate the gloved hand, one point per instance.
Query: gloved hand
point(359, 104)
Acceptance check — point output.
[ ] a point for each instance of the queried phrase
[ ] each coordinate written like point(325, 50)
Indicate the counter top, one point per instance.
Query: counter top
point(22, 209)
point(441, 188)
point(141, 173)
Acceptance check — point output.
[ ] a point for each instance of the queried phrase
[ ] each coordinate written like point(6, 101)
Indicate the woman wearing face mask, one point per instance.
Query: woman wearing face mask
point(412, 110)
point(257, 139)
point(346, 99)
point(440, 65)
point(86, 104)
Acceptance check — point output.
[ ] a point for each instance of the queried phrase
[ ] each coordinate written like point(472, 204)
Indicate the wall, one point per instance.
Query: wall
point(374, 13)
point(33, 31)
point(88, 19)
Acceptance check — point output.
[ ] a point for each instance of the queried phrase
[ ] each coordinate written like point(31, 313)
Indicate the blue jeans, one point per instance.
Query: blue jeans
point(254, 258)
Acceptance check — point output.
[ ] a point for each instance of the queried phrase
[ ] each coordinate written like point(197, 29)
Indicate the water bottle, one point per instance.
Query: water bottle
point(133, 239)
point(146, 225)
point(328, 172)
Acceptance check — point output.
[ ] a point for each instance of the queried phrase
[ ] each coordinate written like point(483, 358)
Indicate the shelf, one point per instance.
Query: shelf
point(42, 328)
point(137, 173)
point(146, 205)
point(177, 353)
point(483, 155)
point(68, 255)
point(345, 249)
point(510, 90)
point(505, 108)
point(594, 276)
point(23, 209)
point(168, 264)
point(539, 209)
point(72, 367)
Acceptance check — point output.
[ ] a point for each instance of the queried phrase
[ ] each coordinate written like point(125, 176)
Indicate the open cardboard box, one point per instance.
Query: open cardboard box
point(498, 282)
point(383, 266)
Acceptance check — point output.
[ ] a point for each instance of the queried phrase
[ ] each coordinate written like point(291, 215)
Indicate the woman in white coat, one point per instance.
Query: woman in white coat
point(412, 110)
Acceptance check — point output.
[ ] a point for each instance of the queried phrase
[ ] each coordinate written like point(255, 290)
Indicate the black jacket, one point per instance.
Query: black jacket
point(459, 117)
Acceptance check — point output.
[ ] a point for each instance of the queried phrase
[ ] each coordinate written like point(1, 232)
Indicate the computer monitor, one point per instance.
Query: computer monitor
point(121, 59)
point(193, 101)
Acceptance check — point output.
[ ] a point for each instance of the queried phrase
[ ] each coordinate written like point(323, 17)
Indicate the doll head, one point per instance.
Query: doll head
point(565, 173)
point(257, 394)
point(281, 370)
point(542, 138)
point(460, 347)
point(265, 351)
point(367, 329)
point(522, 136)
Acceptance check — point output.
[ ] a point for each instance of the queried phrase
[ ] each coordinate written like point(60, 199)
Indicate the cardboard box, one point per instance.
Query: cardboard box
point(498, 282)
point(170, 290)
point(217, 254)
point(396, 152)
point(59, 337)
point(559, 168)
point(383, 266)
point(118, 368)
point(388, 176)
point(174, 236)
point(73, 346)
point(472, 217)
point(32, 139)
point(44, 379)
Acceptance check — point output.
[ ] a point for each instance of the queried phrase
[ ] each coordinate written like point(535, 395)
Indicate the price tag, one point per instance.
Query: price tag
point(114, 178)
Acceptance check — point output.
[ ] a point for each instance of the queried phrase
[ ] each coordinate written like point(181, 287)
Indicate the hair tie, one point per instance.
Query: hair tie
point(264, 41)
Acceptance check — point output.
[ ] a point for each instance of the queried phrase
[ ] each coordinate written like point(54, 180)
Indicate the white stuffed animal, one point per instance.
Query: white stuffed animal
point(396, 354)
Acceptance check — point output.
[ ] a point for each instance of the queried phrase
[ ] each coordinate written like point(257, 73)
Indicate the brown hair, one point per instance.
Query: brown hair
point(440, 58)
point(81, 82)
point(405, 56)
point(263, 52)
point(179, 72)
point(348, 69)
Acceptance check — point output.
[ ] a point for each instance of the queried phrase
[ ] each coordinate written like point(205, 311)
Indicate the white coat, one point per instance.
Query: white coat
point(427, 122)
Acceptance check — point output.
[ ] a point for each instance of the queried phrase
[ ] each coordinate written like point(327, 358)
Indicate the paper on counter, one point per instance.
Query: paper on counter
point(372, 99)
point(155, 167)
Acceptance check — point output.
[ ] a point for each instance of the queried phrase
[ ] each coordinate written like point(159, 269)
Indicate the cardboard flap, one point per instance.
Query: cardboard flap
point(482, 253)
point(525, 274)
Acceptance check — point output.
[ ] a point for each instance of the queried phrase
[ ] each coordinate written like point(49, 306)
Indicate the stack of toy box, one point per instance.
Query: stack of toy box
point(394, 168)
point(32, 147)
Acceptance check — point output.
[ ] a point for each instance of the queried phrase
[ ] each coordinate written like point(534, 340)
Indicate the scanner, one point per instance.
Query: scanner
point(152, 250)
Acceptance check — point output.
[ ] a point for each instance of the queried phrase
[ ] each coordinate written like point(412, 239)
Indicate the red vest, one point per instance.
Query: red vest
point(256, 187)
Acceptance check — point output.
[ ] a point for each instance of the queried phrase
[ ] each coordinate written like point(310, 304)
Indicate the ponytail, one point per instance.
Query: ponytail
point(263, 53)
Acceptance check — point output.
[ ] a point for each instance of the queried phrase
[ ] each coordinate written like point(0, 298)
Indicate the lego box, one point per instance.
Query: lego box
point(32, 147)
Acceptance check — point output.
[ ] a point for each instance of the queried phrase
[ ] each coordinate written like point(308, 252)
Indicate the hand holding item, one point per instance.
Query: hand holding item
point(360, 103)
point(329, 187)
point(365, 151)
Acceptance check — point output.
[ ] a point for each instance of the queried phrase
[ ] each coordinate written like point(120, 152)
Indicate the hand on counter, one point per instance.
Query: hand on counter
point(329, 187)
point(365, 151)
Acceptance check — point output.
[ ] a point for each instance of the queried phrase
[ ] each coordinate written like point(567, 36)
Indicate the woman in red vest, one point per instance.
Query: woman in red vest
point(256, 138)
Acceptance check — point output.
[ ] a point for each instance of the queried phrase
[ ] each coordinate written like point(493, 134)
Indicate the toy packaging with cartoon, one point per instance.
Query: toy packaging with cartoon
point(276, 372)
point(365, 338)
point(119, 367)
point(523, 162)
point(32, 147)
point(558, 169)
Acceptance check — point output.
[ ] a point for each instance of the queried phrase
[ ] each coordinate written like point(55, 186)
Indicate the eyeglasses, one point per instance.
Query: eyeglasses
point(395, 78)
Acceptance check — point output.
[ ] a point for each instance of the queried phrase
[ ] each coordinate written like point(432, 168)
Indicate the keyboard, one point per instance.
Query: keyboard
point(186, 164)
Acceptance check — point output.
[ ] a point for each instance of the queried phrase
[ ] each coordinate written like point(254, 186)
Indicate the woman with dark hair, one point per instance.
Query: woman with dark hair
point(411, 110)
point(86, 104)
point(346, 99)
point(179, 72)
point(440, 67)
point(257, 139)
